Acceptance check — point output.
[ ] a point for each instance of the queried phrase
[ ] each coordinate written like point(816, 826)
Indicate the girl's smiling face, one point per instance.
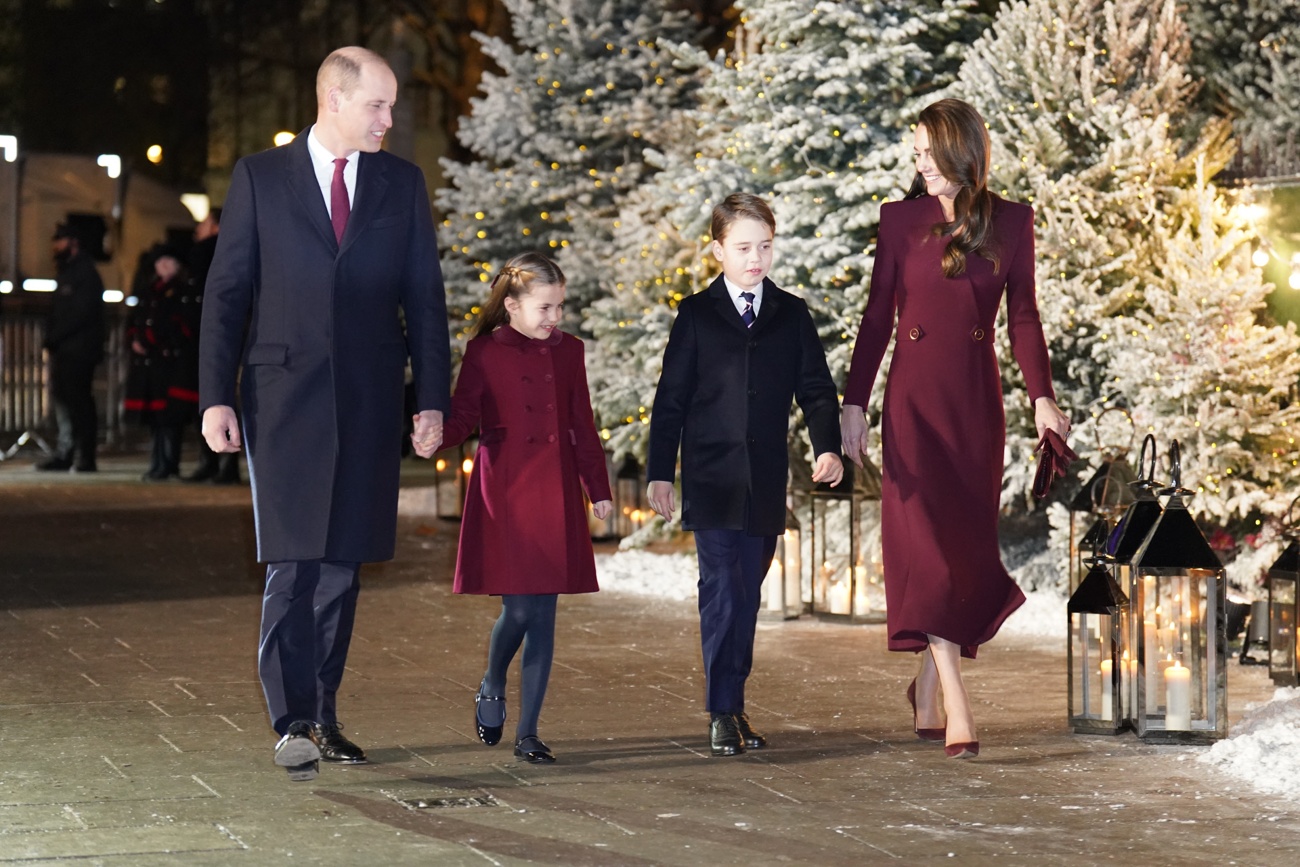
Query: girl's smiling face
point(539, 312)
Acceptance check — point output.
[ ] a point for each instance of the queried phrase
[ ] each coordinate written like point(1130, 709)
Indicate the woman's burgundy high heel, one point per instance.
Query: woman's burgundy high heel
point(963, 750)
point(925, 734)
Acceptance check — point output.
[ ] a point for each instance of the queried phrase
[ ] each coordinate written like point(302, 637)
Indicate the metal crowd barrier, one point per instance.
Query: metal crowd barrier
point(26, 413)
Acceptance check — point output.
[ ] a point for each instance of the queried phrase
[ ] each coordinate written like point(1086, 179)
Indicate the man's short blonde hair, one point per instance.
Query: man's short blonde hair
point(342, 69)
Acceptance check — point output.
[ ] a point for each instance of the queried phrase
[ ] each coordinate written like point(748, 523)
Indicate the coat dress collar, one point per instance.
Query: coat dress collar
point(508, 336)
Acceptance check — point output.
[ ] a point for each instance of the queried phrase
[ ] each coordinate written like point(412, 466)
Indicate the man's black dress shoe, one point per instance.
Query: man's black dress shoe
point(202, 474)
point(753, 740)
point(297, 752)
point(724, 737)
point(493, 706)
point(335, 747)
point(531, 749)
point(86, 468)
point(55, 464)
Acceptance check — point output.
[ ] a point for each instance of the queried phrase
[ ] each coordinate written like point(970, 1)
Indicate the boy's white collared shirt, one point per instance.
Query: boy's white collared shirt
point(734, 291)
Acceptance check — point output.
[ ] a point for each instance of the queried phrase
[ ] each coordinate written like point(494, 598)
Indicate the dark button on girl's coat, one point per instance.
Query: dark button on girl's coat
point(524, 527)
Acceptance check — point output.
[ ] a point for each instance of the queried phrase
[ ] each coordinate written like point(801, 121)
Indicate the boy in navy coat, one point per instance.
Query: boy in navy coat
point(738, 353)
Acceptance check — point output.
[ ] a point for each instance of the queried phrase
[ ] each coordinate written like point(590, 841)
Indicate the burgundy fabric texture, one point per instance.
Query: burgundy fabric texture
point(340, 207)
point(524, 526)
point(943, 425)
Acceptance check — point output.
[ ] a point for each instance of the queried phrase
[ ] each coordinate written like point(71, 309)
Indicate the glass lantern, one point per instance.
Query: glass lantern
point(1104, 497)
point(1178, 612)
point(1283, 614)
point(629, 512)
point(1099, 671)
point(846, 563)
point(1125, 540)
point(782, 592)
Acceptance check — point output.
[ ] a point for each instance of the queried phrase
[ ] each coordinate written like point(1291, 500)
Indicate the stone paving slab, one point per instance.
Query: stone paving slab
point(134, 731)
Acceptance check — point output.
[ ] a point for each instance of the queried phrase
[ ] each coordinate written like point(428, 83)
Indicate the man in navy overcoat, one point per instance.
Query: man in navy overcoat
point(327, 244)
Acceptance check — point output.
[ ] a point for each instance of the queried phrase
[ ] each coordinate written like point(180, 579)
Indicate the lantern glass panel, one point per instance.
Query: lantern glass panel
point(1093, 691)
point(782, 592)
point(1282, 650)
point(1181, 661)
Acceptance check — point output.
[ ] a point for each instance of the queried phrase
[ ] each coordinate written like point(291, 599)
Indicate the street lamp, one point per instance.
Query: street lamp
point(1181, 652)
point(9, 148)
point(112, 164)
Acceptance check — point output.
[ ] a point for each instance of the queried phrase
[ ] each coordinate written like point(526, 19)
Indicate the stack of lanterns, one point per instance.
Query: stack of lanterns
point(1147, 638)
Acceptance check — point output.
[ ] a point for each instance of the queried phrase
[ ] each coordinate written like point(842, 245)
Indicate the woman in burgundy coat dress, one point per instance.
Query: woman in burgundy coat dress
point(524, 533)
point(944, 258)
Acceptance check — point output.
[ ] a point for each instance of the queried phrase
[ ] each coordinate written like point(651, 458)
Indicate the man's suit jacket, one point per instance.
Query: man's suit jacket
point(725, 394)
point(325, 354)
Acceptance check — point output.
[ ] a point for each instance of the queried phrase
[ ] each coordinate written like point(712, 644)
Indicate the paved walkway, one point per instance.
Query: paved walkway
point(134, 733)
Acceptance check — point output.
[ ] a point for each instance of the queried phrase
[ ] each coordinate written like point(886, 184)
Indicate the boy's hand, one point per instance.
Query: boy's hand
point(853, 433)
point(828, 469)
point(661, 498)
point(602, 508)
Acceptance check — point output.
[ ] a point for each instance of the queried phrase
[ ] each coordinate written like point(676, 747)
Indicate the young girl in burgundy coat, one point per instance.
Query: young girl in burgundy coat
point(524, 534)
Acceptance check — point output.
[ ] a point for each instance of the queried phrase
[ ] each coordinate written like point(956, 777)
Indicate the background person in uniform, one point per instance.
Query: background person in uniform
point(162, 339)
point(324, 244)
point(74, 339)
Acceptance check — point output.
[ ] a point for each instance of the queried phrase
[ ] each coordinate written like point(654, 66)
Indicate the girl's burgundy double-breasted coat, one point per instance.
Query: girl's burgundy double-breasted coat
point(524, 526)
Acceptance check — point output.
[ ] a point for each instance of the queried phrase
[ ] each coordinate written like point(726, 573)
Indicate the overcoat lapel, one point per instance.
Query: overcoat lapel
point(725, 306)
point(371, 184)
point(302, 180)
point(767, 308)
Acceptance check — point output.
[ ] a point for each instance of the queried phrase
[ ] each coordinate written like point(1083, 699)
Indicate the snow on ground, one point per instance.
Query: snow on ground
point(665, 576)
point(1264, 748)
point(673, 576)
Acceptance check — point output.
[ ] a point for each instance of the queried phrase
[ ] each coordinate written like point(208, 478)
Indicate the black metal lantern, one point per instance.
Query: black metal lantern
point(1125, 540)
point(629, 513)
point(782, 592)
point(1283, 614)
point(1179, 609)
point(1098, 611)
point(846, 568)
point(1101, 500)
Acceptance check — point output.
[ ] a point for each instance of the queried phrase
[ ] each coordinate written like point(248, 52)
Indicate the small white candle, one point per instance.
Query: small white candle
point(1107, 688)
point(1149, 662)
point(1178, 697)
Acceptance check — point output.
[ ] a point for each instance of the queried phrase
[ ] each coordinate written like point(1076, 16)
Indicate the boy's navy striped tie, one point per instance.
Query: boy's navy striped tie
point(748, 313)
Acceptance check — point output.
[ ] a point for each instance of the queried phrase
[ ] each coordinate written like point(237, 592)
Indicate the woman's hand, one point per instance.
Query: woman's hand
point(853, 433)
point(1048, 415)
point(602, 509)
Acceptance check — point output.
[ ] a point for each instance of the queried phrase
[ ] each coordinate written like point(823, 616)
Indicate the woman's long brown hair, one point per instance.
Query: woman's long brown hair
point(959, 143)
point(514, 280)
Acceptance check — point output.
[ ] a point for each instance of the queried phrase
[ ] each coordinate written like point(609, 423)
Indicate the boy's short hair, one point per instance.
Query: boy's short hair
point(737, 207)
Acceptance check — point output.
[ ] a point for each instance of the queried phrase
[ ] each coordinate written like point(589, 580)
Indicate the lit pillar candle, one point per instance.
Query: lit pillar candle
point(1178, 697)
point(1107, 690)
point(1149, 663)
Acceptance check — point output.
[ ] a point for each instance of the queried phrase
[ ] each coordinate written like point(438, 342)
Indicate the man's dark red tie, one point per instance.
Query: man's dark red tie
point(339, 206)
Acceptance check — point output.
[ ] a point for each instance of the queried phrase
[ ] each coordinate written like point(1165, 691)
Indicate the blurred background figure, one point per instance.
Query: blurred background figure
point(221, 469)
point(162, 333)
point(74, 339)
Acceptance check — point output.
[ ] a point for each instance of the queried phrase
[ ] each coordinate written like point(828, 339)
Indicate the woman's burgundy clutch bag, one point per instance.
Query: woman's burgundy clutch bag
point(1054, 458)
